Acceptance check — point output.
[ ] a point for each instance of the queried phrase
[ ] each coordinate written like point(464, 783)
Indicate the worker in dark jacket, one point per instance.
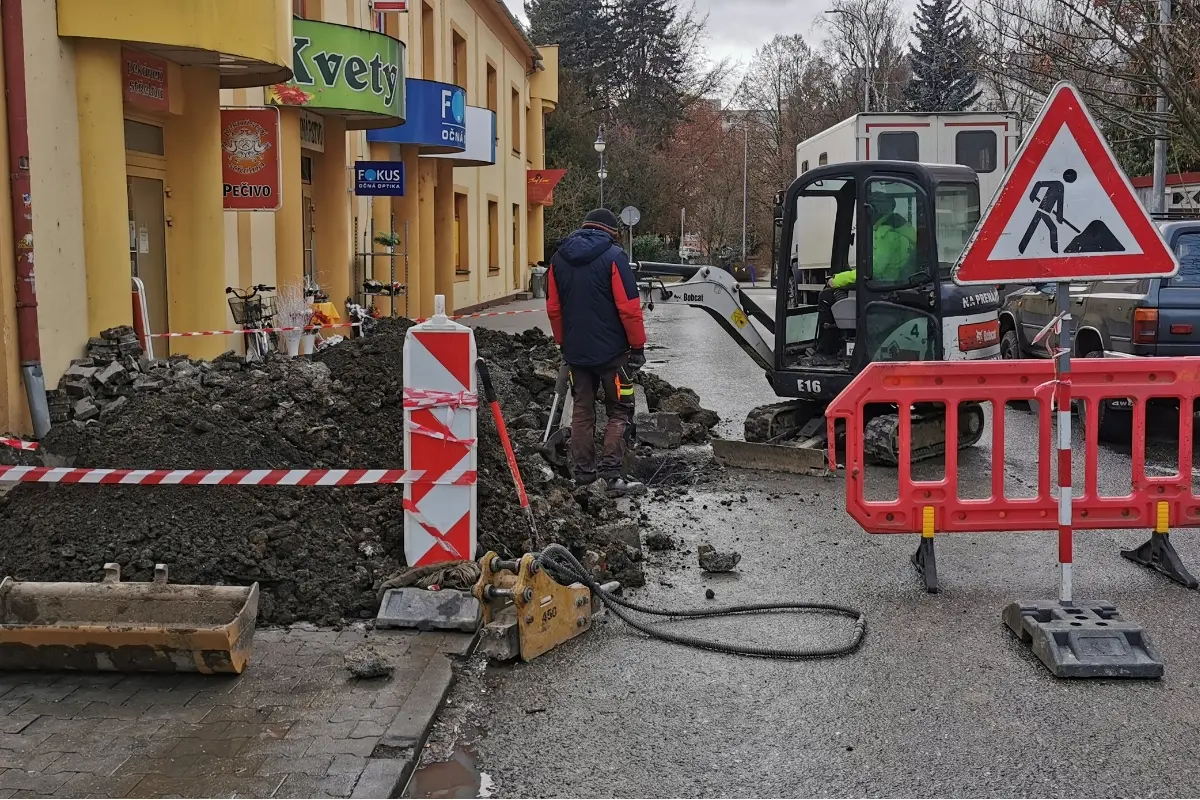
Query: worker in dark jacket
point(596, 314)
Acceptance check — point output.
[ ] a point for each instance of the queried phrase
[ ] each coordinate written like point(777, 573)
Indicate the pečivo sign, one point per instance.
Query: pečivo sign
point(350, 71)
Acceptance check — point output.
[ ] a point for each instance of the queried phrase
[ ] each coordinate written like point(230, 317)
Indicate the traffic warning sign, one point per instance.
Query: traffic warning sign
point(1065, 210)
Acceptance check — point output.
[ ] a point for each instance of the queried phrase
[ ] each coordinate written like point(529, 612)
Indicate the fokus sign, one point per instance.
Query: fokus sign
point(350, 72)
point(436, 118)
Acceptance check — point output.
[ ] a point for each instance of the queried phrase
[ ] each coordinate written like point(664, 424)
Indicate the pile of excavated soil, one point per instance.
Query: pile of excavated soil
point(319, 554)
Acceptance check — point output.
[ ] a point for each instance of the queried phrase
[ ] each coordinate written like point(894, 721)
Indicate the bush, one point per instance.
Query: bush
point(650, 247)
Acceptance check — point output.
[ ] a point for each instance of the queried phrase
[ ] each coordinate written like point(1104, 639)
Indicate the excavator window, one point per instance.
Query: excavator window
point(956, 207)
point(897, 218)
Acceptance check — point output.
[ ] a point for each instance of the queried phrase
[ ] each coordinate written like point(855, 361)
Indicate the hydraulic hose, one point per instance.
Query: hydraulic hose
point(566, 569)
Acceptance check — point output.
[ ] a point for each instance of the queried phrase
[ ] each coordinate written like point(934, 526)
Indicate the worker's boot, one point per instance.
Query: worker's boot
point(624, 487)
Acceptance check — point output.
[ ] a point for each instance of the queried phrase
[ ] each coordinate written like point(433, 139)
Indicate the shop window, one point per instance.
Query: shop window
point(822, 159)
point(460, 60)
point(143, 138)
point(493, 237)
point(493, 90)
point(299, 7)
point(307, 9)
point(516, 245)
point(462, 260)
point(976, 149)
point(900, 146)
point(428, 63)
point(514, 111)
point(306, 169)
point(530, 121)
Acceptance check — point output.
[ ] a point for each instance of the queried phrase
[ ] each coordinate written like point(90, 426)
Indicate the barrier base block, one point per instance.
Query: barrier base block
point(925, 560)
point(1160, 555)
point(1084, 640)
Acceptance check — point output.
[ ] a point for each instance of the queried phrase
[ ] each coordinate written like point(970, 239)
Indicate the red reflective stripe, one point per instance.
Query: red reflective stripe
point(553, 306)
point(630, 309)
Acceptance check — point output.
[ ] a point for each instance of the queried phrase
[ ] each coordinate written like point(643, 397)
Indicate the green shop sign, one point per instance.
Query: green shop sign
point(346, 72)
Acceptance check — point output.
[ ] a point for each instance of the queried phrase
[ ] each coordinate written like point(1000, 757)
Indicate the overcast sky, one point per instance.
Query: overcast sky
point(736, 28)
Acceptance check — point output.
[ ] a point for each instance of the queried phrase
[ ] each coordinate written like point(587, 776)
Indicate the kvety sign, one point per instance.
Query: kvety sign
point(144, 80)
point(379, 178)
point(250, 159)
point(339, 68)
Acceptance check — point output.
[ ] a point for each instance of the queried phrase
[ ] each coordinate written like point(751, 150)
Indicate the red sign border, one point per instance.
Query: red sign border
point(1063, 107)
point(278, 187)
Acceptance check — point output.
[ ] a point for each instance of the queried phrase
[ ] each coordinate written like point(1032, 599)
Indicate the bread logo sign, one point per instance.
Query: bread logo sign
point(245, 144)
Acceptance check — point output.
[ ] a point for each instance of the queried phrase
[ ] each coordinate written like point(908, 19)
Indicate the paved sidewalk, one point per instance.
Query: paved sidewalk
point(295, 724)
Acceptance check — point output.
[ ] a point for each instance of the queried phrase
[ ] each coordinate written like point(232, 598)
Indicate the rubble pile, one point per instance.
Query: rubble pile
point(319, 554)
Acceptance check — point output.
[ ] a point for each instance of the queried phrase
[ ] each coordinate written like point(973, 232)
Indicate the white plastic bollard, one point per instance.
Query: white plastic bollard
point(440, 438)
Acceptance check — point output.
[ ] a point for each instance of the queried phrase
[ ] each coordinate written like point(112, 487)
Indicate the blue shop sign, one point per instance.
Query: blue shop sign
point(379, 178)
point(436, 118)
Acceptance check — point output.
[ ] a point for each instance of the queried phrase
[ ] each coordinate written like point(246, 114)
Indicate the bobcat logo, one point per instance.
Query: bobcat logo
point(245, 145)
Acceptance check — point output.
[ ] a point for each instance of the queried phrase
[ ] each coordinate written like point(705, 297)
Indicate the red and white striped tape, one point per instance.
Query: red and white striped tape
point(429, 398)
point(17, 443)
point(486, 314)
point(227, 477)
point(254, 330)
point(438, 536)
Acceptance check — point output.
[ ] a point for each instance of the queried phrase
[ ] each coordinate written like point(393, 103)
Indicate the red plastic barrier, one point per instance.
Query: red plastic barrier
point(999, 382)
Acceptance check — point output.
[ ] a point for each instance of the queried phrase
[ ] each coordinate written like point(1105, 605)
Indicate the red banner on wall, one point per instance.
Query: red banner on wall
point(144, 80)
point(541, 183)
point(250, 159)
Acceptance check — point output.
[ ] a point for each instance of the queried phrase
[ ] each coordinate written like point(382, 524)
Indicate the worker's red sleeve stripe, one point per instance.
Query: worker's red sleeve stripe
point(553, 306)
point(629, 306)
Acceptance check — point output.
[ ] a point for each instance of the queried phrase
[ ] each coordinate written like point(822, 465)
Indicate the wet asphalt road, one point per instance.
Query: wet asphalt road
point(940, 700)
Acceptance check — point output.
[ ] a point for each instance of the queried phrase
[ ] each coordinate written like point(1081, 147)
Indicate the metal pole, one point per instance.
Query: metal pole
point(1159, 204)
point(682, 225)
point(745, 180)
point(1063, 403)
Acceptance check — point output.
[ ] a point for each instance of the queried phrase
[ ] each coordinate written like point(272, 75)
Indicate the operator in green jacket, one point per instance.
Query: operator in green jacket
point(893, 247)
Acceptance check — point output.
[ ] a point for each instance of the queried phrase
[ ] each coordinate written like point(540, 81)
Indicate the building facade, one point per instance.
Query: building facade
point(155, 125)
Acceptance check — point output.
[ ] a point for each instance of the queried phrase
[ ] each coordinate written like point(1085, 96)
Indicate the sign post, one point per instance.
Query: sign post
point(631, 217)
point(1064, 212)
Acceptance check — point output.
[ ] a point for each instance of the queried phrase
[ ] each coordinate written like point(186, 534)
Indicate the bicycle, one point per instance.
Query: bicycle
point(253, 312)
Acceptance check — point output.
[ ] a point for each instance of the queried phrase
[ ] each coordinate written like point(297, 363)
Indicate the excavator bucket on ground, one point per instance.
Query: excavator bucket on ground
point(791, 457)
point(126, 627)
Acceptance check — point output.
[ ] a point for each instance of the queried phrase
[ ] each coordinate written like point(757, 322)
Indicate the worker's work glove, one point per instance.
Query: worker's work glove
point(636, 360)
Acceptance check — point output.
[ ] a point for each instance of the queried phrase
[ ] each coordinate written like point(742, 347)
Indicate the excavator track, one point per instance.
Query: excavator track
point(881, 436)
point(772, 422)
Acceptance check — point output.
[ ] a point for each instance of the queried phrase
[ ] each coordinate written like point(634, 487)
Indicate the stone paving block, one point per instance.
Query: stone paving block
point(258, 730)
point(232, 714)
point(116, 695)
point(367, 729)
point(308, 765)
point(239, 766)
point(37, 691)
point(34, 762)
point(409, 727)
point(355, 714)
point(411, 607)
point(15, 723)
point(98, 710)
point(458, 644)
point(295, 716)
point(93, 680)
point(22, 742)
point(9, 706)
point(150, 698)
point(83, 785)
point(62, 709)
point(175, 712)
point(216, 786)
point(331, 730)
point(42, 782)
point(127, 727)
point(346, 764)
point(47, 724)
point(226, 748)
point(98, 762)
point(380, 778)
point(149, 765)
point(308, 786)
point(322, 745)
point(293, 748)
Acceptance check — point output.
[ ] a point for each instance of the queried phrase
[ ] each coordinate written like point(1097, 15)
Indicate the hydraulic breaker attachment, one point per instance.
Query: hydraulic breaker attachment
point(526, 612)
point(113, 626)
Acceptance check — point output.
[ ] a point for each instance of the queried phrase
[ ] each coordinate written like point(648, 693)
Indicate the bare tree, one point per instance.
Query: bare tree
point(866, 44)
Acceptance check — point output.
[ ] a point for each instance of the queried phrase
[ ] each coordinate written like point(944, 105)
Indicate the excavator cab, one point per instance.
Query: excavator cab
point(893, 230)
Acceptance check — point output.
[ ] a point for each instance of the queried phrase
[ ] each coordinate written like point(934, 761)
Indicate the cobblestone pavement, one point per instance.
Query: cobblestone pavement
point(295, 724)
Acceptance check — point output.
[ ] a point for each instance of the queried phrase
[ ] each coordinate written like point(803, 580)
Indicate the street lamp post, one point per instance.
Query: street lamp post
point(745, 179)
point(863, 49)
point(602, 173)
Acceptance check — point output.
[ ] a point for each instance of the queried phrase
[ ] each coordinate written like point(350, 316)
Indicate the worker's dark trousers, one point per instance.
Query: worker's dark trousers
point(586, 384)
point(829, 338)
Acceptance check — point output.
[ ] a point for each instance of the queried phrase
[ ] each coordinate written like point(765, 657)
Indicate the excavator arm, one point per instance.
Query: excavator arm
point(715, 291)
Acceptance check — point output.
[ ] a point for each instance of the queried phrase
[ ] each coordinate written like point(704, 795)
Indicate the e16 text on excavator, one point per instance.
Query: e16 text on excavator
point(892, 231)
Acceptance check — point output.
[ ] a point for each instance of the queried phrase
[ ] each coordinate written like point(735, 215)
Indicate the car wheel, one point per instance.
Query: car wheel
point(1010, 346)
point(1112, 425)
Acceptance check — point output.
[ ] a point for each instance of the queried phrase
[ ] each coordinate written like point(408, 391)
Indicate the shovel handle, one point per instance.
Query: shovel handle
point(485, 379)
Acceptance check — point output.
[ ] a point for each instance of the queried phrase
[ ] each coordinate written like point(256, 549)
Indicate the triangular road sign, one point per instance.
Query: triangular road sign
point(1065, 210)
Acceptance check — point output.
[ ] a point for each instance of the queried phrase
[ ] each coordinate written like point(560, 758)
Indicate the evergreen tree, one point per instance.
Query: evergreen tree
point(585, 31)
point(942, 77)
point(652, 63)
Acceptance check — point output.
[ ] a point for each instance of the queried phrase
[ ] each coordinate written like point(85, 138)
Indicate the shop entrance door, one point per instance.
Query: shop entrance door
point(308, 221)
point(148, 248)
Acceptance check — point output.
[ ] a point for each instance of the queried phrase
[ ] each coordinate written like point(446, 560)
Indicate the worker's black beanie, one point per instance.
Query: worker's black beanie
point(602, 219)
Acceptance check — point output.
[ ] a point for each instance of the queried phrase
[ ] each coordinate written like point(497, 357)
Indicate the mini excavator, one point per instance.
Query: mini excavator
point(911, 313)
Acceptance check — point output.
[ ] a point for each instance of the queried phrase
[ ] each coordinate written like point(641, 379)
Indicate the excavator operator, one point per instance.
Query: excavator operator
point(893, 246)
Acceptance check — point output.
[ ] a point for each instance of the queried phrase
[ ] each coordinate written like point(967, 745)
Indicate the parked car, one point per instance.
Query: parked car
point(1147, 317)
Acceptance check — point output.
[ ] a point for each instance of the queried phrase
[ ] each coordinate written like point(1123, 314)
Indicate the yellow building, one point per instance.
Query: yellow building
point(155, 124)
point(470, 127)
